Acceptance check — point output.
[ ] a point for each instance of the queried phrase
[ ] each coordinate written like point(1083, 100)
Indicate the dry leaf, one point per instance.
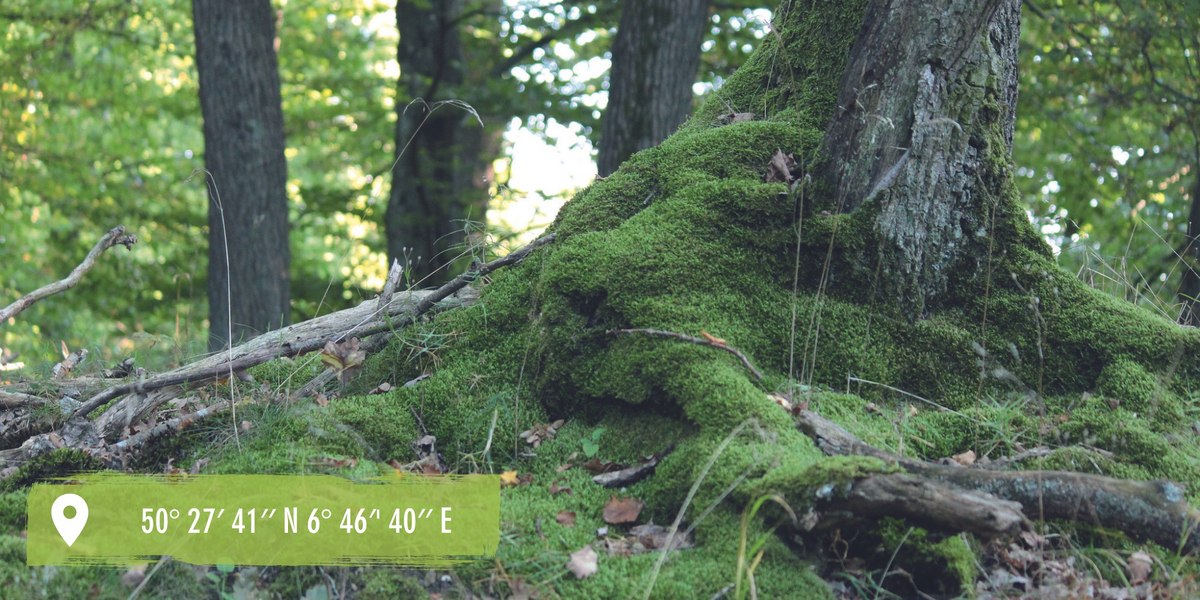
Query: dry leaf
point(965, 459)
point(873, 408)
point(1139, 565)
point(712, 339)
point(566, 518)
point(508, 478)
point(556, 489)
point(321, 399)
point(382, 388)
point(583, 562)
point(344, 358)
point(780, 167)
point(543, 432)
point(619, 511)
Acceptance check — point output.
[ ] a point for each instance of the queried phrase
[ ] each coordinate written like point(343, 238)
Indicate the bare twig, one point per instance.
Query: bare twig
point(115, 236)
point(699, 341)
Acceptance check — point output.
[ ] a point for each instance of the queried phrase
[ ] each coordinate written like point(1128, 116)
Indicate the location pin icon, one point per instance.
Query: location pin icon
point(69, 527)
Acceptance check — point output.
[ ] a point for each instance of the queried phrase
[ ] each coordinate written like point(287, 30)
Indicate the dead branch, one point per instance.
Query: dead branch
point(1155, 511)
point(361, 321)
point(115, 236)
point(712, 343)
point(927, 503)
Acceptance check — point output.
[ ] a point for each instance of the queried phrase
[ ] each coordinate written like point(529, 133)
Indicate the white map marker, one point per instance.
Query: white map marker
point(69, 527)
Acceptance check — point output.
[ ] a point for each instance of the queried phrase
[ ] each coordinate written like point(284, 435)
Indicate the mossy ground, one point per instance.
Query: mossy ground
point(687, 237)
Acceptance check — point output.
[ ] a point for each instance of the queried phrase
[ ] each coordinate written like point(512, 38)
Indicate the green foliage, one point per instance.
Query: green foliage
point(1107, 140)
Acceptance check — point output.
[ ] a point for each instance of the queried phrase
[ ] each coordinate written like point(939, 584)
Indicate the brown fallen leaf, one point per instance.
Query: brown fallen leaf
point(965, 459)
point(1139, 565)
point(583, 563)
point(344, 358)
point(566, 518)
point(645, 538)
point(542, 432)
point(619, 511)
point(712, 339)
point(556, 489)
point(780, 168)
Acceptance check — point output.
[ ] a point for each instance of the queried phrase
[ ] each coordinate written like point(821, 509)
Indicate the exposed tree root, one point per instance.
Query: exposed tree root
point(1155, 511)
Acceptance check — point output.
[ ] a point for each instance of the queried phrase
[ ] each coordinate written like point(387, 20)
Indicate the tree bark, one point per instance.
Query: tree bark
point(922, 136)
point(443, 169)
point(248, 255)
point(655, 57)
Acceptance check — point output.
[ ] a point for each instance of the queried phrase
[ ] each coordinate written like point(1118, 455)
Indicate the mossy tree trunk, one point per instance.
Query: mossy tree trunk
point(922, 136)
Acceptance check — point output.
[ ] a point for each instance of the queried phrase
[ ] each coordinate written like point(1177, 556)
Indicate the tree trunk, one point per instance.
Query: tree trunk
point(655, 57)
point(443, 155)
point(1189, 287)
point(922, 136)
point(248, 256)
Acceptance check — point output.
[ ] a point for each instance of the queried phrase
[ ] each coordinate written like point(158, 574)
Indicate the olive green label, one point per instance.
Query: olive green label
point(401, 519)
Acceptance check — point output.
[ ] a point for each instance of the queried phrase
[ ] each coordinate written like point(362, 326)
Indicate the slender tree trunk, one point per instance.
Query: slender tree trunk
point(443, 169)
point(922, 136)
point(655, 57)
point(248, 256)
point(1189, 287)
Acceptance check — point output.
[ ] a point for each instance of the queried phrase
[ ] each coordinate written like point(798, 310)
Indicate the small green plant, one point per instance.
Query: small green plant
point(591, 444)
point(219, 578)
point(744, 581)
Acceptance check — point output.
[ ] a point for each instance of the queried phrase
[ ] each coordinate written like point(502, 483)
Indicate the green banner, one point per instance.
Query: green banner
point(401, 519)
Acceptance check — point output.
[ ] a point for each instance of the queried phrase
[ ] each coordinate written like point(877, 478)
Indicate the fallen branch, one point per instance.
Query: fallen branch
point(1155, 511)
point(712, 343)
point(925, 502)
point(363, 320)
point(115, 236)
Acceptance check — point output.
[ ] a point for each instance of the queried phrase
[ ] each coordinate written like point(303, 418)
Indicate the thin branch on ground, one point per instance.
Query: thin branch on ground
point(115, 236)
point(712, 343)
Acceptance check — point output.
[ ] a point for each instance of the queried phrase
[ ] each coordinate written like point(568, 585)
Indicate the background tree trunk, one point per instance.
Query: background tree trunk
point(243, 152)
point(1189, 286)
point(923, 135)
point(440, 181)
point(655, 57)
